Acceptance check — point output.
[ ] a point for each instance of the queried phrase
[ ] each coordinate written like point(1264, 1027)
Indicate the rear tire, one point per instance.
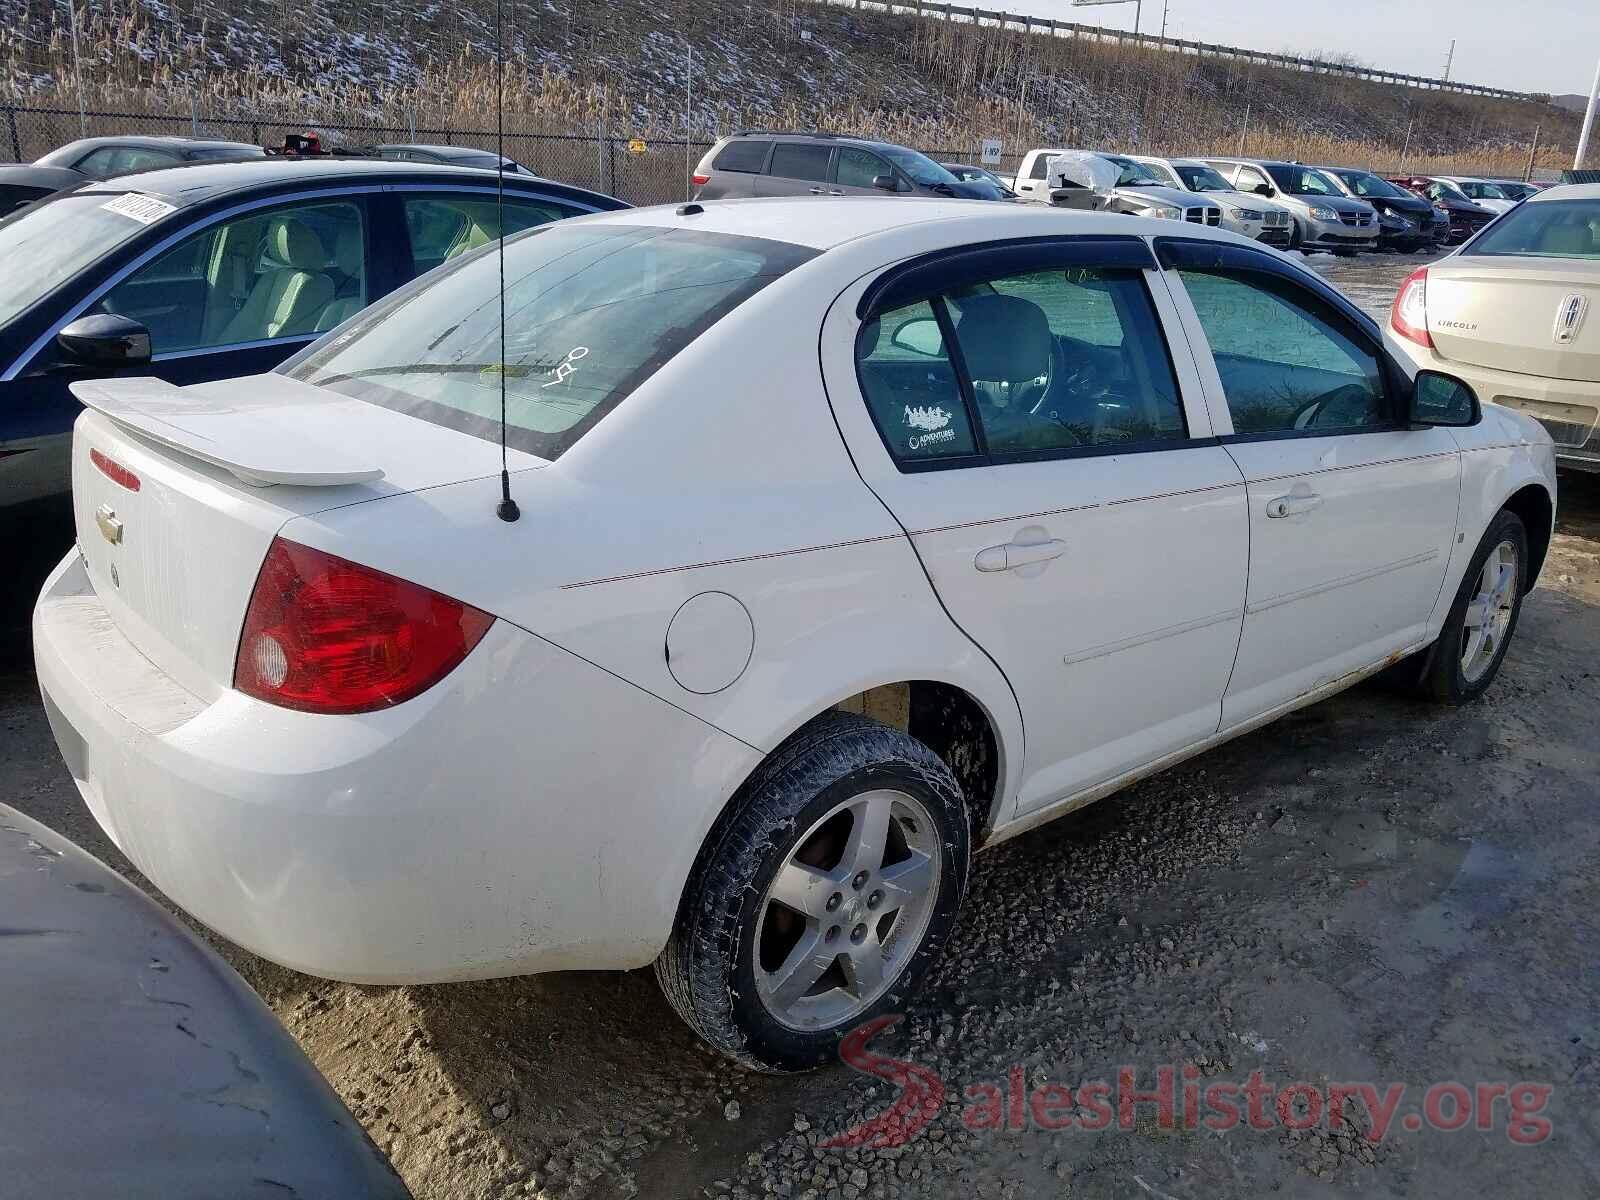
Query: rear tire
point(1460, 666)
point(794, 927)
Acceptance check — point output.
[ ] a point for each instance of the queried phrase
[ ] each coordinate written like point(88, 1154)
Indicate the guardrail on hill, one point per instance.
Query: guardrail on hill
point(1053, 28)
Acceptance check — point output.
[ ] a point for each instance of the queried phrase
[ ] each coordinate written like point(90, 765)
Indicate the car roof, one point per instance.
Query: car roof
point(1565, 191)
point(442, 151)
point(824, 223)
point(154, 141)
point(196, 183)
point(779, 135)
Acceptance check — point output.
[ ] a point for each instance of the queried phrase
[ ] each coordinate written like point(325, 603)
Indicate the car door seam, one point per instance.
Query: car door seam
point(1343, 581)
point(994, 817)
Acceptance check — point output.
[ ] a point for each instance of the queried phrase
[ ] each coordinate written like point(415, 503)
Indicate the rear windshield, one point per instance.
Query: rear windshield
point(45, 245)
point(592, 311)
point(1544, 229)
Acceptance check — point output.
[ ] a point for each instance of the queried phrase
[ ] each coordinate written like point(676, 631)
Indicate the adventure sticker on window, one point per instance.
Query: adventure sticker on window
point(146, 210)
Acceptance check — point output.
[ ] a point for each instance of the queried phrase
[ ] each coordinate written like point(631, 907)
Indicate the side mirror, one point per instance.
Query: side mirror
point(1440, 399)
point(1262, 189)
point(920, 336)
point(106, 340)
point(885, 183)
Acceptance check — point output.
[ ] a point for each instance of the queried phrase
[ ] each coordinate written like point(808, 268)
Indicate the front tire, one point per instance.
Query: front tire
point(1465, 660)
point(821, 897)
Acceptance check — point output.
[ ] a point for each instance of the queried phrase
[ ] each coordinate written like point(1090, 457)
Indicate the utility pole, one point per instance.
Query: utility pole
point(1138, 8)
point(1588, 121)
point(1164, 20)
point(1449, 59)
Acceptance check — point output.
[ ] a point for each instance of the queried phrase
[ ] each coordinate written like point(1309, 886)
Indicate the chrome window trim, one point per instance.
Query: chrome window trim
point(257, 344)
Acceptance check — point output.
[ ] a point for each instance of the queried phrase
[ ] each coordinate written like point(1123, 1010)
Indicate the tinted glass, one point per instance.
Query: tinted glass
point(746, 155)
point(1040, 168)
point(1202, 179)
point(1303, 181)
point(1286, 362)
point(797, 160)
point(225, 153)
point(591, 313)
point(51, 242)
point(1364, 185)
point(858, 168)
point(272, 274)
point(1544, 229)
point(1065, 358)
point(910, 386)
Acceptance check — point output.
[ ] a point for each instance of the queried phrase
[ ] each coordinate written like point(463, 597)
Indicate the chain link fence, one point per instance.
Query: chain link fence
point(641, 171)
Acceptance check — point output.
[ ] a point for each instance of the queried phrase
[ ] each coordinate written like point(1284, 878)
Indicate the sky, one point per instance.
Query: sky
point(1526, 45)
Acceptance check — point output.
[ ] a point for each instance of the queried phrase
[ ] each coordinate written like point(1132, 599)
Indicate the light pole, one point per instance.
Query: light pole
point(1588, 121)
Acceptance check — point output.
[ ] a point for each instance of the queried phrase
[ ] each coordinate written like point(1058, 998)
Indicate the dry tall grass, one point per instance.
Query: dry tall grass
point(924, 82)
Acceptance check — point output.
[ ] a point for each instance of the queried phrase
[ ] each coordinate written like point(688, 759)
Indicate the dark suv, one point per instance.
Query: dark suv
point(760, 163)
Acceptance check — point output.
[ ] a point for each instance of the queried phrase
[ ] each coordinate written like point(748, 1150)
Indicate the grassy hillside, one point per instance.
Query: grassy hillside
point(622, 67)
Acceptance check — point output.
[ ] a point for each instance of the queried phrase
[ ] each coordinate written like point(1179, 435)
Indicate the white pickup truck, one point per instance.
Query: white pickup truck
point(1106, 182)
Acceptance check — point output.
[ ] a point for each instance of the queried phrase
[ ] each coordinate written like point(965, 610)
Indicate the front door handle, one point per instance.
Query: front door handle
point(817, 191)
point(1011, 556)
point(1294, 502)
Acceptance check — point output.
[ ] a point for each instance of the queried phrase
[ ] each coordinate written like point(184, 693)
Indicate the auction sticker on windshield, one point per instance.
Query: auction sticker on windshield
point(146, 210)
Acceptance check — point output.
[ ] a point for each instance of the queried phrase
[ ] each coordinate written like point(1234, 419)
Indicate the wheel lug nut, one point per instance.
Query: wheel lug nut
point(834, 901)
point(875, 899)
point(859, 881)
point(858, 934)
point(832, 934)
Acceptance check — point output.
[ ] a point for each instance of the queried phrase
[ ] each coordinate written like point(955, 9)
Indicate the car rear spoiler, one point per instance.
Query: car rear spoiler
point(250, 442)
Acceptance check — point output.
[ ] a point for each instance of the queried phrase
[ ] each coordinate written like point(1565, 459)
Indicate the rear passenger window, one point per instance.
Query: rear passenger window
point(443, 227)
point(747, 156)
point(1287, 363)
point(1066, 358)
point(910, 386)
point(798, 160)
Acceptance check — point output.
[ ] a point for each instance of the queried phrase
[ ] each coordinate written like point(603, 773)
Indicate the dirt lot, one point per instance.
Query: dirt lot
point(1369, 891)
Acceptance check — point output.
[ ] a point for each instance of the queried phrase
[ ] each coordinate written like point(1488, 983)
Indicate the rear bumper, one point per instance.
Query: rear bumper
point(1568, 409)
point(528, 813)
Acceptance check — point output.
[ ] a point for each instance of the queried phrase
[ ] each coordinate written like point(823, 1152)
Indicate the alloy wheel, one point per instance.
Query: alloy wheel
point(847, 910)
point(1489, 612)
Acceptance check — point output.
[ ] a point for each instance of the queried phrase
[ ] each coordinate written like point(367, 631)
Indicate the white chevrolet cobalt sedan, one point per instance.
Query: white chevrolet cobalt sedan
point(854, 536)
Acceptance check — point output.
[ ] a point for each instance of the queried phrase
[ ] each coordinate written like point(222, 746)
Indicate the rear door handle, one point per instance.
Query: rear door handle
point(819, 191)
point(1295, 502)
point(1010, 556)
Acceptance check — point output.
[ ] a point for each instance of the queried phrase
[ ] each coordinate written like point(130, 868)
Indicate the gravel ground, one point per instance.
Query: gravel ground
point(1371, 890)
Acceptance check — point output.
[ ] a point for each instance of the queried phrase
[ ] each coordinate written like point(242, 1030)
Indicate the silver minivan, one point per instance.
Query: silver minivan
point(760, 163)
point(1324, 217)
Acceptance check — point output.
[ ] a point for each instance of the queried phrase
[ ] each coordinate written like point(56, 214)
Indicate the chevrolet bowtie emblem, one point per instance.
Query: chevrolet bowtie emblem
point(110, 528)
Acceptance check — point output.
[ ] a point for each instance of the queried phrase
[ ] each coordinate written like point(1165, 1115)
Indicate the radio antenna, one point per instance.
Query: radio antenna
point(508, 510)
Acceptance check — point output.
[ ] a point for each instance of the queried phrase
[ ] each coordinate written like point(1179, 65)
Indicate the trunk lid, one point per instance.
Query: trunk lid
point(1517, 314)
point(177, 494)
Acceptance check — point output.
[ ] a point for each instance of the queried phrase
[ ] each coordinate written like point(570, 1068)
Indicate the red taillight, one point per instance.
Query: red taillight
point(325, 635)
point(1409, 314)
point(700, 180)
point(114, 471)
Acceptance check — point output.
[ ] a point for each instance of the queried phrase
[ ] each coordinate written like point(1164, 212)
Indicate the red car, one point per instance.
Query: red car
point(1465, 217)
